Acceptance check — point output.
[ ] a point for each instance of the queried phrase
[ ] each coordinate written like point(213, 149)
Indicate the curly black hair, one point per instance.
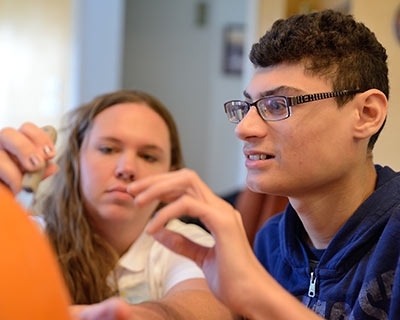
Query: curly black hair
point(330, 44)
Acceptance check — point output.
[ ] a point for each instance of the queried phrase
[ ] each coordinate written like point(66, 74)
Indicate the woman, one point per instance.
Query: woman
point(93, 223)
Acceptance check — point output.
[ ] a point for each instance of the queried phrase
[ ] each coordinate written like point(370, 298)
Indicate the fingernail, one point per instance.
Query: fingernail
point(34, 160)
point(48, 150)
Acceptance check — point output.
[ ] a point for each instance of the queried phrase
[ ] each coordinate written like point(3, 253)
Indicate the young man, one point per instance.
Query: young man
point(313, 111)
point(336, 246)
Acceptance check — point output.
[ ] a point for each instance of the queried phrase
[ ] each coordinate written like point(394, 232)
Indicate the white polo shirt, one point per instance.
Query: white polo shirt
point(148, 269)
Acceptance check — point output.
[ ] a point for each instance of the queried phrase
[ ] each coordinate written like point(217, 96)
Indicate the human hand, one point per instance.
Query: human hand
point(230, 264)
point(110, 309)
point(24, 150)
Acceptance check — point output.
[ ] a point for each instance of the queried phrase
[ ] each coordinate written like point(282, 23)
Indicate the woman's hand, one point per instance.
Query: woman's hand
point(24, 150)
point(110, 309)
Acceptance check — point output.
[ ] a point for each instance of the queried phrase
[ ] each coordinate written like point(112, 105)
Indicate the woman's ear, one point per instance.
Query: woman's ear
point(371, 110)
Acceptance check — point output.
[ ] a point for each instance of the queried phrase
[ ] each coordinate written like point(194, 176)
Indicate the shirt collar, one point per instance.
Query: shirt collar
point(135, 259)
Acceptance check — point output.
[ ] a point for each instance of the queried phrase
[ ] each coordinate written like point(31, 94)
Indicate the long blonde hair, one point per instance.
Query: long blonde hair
point(86, 259)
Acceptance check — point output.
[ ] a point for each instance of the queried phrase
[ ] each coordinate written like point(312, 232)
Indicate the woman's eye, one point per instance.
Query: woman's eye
point(106, 149)
point(149, 158)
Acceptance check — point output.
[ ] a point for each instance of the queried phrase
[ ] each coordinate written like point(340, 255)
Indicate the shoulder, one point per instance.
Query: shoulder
point(271, 227)
point(268, 235)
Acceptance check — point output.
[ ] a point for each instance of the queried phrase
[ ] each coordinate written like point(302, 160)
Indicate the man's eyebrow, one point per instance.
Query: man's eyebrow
point(246, 95)
point(275, 91)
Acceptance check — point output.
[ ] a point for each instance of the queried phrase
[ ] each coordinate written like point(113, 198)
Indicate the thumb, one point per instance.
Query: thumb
point(51, 169)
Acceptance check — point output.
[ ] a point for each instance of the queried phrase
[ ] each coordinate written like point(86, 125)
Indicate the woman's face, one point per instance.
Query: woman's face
point(127, 141)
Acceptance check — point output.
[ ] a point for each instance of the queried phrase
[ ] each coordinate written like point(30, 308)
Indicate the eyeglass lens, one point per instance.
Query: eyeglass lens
point(272, 108)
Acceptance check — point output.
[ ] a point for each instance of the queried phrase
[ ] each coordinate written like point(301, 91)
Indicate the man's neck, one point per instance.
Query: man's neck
point(326, 210)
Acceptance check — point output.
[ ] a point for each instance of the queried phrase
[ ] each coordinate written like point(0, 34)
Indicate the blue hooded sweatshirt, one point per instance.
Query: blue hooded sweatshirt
point(358, 274)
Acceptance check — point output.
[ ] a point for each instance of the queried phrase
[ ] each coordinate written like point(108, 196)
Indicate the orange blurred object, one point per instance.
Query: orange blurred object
point(31, 284)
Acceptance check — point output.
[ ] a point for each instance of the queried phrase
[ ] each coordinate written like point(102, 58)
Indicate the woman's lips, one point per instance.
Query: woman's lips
point(120, 192)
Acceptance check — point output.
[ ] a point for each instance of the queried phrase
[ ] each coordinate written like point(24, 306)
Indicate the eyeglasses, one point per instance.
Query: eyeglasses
point(275, 108)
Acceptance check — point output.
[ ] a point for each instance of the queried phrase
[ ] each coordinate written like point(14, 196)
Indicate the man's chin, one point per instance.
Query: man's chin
point(259, 184)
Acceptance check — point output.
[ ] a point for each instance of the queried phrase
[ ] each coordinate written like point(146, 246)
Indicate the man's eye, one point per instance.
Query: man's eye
point(276, 105)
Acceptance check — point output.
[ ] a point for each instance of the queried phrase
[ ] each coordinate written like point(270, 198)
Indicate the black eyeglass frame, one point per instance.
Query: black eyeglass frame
point(290, 101)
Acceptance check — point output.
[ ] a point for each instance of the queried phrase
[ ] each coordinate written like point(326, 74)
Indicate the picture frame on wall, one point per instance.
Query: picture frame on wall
point(233, 49)
point(397, 24)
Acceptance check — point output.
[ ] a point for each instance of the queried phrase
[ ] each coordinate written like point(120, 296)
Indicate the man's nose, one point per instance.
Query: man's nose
point(251, 126)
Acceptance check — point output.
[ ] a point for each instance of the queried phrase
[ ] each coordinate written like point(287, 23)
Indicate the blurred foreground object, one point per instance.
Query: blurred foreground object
point(31, 286)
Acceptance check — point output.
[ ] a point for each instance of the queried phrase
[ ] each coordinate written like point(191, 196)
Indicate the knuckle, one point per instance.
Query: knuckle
point(5, 132)
point(27, 126)
point(10, 140)
point(184, 202)
point(189, 173)
point(185, 199)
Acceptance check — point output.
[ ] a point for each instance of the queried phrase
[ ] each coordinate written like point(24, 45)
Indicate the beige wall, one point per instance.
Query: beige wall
point(34, 55)
point(379, 17)
point(269, 11)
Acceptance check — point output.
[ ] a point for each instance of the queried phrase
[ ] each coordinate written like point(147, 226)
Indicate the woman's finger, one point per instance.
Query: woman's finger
point(42, 138)
point(10, 173)
point(22, 148)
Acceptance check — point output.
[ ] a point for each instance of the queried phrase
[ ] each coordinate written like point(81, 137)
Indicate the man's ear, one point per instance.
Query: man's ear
point(371, 110)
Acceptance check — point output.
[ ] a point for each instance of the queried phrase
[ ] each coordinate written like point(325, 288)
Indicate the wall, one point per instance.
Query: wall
point(169, 55)
point(379, 18)
point(54, 55)
point(225, 159)
point(34, 60)
point(97, 45)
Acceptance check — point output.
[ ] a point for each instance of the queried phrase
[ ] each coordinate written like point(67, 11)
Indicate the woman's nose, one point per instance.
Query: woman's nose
point(251, 126)
point(126, 168)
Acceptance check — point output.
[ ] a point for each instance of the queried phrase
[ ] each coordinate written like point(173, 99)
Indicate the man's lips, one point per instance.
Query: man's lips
point(257, 155)
point(256, 159)
point(260, 156)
